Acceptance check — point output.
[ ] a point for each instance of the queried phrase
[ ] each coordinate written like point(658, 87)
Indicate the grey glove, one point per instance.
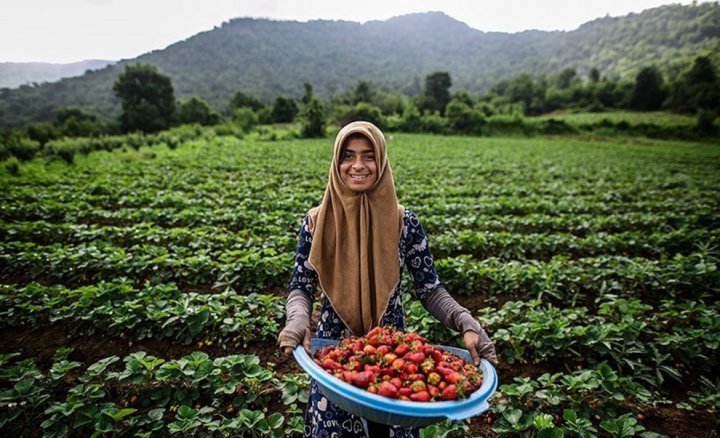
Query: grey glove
point(297, 325)
point(444, 307)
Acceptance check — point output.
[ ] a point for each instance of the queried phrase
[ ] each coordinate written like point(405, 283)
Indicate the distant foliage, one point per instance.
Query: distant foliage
point(196, 110)
point(313, 119)
point(148, 100)
point(284, 110)
point(260, 57)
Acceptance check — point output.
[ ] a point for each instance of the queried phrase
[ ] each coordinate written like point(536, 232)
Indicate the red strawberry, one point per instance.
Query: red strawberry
point(405, 391)
point(362, 379)
point(402, 349)
point(416, 357)
point(449, 393)
point(421, 396)
point(397, 382)
point(387, 389)
point(399, 365)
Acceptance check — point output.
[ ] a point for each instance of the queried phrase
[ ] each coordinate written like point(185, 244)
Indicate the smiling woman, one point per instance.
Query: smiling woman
point(354, 246)
point(358, 169)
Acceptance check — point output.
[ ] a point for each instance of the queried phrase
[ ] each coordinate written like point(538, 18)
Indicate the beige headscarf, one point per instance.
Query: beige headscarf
point(356, 236)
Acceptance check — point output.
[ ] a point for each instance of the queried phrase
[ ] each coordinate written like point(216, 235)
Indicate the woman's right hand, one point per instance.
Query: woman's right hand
point(292, 335)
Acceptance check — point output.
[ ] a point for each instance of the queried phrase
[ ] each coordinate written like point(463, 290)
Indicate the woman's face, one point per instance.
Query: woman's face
point(358, 168)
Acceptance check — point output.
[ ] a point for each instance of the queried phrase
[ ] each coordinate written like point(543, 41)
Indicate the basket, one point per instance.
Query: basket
point(397, 412)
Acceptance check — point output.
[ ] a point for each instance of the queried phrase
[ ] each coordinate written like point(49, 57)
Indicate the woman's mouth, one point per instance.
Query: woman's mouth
point(359, 177)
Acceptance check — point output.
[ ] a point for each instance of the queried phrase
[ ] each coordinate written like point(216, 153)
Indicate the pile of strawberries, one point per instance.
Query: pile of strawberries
point(400, 365)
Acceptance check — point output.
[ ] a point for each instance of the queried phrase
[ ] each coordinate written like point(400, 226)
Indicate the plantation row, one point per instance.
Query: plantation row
point(244, 214)
point(693, 275)
point(480, 244)
point(155, 311)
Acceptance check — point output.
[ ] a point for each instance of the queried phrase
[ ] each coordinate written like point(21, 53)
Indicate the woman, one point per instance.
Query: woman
point(354, 245)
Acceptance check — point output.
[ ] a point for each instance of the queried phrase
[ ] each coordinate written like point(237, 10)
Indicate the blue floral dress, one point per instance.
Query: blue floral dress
point(322, 418)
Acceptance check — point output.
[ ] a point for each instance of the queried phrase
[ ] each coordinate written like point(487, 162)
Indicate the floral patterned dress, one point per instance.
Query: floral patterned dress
point(322, 418)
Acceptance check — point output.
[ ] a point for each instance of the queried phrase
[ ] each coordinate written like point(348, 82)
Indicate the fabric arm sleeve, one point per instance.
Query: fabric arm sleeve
point(454, 316)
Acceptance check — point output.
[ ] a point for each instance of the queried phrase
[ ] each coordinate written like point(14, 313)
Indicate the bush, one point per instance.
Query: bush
point(12, 165)
point(23, 148)
point(361, 111)
point(313, 119)
point(245, 119)
point(434, 123)
point(411, 120)
point(463, 119)
point(705, 122)
point(504, 125)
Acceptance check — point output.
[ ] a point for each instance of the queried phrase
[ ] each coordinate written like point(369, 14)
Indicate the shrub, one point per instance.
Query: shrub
point(313, 119)
point(362, 111)
point(12, 165)
point(23, 148)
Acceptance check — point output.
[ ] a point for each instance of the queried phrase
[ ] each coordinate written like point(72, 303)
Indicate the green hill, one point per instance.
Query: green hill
point(268, 58)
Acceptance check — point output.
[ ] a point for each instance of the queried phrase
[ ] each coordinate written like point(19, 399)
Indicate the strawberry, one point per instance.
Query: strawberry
point(449, 393)
point(428, 366)
point(433, 378)
point(416, 357)
point(390, 357)
point(330, 364)
point(362, 379)
point(411, 368)
point(402, 349)
point(397, 382)
point(399, 365)
point(418, 386)
point(405, 391)
point(453, 377)
point(382, 350)
point(387, 389)
point(421, 396)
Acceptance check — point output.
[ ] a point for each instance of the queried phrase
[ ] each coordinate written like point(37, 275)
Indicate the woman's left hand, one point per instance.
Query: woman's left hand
point(479, 345)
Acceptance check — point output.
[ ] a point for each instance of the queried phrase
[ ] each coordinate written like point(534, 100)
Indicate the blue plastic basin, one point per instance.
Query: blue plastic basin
point(396, 412)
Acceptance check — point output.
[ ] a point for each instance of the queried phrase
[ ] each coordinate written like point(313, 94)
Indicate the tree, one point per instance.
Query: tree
point(462, 118)
point(566, 78)
point(594, 75)
point(242, 100)
point(284, 110)
point(308, 93)
point(648, 93)
point(148, 100)
point(313, 119)
point(702, 84)
point(196, 110)
point(361, 92)
point(437, 92)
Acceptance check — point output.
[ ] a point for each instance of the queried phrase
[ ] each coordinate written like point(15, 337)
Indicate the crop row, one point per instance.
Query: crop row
point(480, 244)
point(560, 278)
point(156, 311)
point(148, 396)
point(244, 213)
point(245, 270)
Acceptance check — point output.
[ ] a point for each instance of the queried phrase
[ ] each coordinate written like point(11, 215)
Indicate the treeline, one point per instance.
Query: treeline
point(149, 106)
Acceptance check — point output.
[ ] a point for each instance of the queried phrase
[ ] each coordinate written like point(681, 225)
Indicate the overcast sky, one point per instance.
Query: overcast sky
point(74, 30)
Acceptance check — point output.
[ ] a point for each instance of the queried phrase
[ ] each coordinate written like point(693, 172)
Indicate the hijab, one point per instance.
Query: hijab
point(356, 236)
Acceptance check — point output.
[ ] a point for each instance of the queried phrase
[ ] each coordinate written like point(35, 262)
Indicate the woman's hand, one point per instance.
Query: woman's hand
point(479, 345)
point(293, 335)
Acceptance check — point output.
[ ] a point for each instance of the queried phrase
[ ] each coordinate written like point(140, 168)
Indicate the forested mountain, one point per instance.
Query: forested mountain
point(269, 58)
point(13, 74)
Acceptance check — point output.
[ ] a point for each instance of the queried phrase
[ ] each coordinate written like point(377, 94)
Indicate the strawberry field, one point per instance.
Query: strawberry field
point(142, 287)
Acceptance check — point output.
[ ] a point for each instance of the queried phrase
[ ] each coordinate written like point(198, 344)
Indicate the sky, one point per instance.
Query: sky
point(63, 31)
